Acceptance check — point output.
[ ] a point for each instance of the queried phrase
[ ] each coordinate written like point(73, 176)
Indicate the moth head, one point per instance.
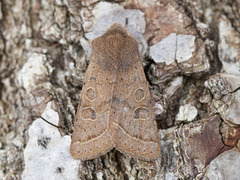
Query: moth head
point(115, 49)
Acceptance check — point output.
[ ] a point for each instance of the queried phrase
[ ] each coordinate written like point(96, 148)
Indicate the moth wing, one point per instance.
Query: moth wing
point(132, 117)
point(90, 137)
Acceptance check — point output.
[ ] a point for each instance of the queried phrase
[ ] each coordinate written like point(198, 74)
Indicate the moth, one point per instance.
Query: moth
point(115, 108)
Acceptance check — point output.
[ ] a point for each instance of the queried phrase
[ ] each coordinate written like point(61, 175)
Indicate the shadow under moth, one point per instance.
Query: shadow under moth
point(115, 108)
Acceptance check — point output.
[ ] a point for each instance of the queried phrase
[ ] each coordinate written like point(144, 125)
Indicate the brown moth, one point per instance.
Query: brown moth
point(115, 108)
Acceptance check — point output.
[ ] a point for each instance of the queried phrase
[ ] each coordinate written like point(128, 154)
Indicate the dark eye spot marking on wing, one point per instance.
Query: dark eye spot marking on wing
point(139, 95)
point(90, 94)
point(141, 113)
point(88, 113)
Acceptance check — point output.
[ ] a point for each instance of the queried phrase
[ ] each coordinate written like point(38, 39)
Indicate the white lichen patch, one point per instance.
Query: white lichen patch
point(47, 155)
point(173, 48)
point(174, 85)
point(100, 176)
point(158, 109)
point(116, 14)
point(164, 51)
point(34, 69)
point(186, 112)
point(225, 89)
point(231, 113)
point(228, 47)
point(185, 47)
point(86, 46)
point(225, 166)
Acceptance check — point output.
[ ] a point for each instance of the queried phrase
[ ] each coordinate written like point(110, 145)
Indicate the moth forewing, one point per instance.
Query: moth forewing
point(115, 108)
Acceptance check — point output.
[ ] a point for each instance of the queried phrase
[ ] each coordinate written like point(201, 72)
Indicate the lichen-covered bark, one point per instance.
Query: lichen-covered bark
point(191, 56)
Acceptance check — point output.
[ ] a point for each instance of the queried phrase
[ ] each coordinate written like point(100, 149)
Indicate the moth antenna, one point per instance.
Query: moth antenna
point(48, 122)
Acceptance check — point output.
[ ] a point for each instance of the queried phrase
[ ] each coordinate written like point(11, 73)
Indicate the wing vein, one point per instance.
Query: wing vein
point(132, 136)
point(92, 139)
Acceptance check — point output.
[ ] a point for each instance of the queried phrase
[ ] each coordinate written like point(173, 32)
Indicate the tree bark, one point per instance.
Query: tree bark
point(191, 57)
